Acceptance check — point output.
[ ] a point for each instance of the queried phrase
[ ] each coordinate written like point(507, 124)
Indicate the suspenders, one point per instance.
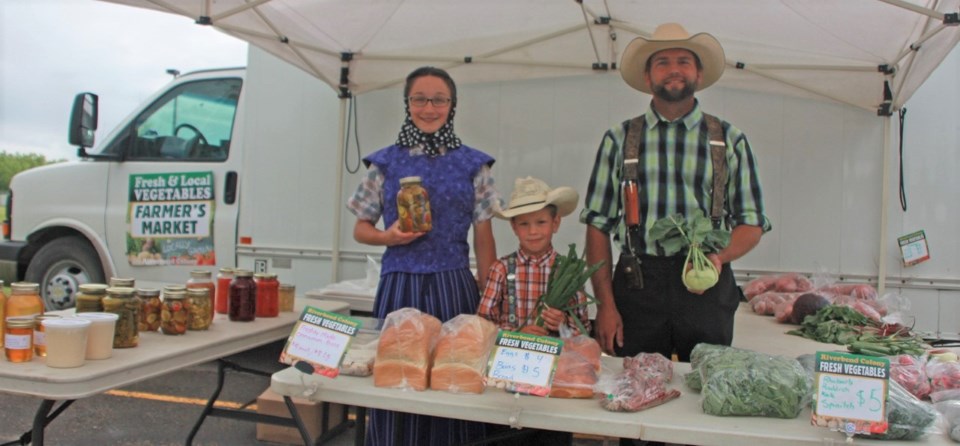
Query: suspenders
point(718, 148)
point(512, 289)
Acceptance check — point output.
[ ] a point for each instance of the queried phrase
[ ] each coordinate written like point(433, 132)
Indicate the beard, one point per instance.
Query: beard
point(661, 91)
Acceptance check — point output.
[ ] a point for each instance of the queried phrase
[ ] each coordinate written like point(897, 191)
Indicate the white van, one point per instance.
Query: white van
point(174, 188)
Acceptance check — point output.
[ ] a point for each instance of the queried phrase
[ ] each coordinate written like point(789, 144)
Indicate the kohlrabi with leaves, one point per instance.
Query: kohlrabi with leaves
point(675, 234)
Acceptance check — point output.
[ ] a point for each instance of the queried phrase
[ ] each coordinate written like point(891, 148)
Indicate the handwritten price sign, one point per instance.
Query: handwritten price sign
point(851, 392)
point(319, 341)
point(524, 363)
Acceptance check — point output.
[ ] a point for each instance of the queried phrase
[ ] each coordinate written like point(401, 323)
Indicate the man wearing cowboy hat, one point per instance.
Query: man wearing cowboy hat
point(645, 307)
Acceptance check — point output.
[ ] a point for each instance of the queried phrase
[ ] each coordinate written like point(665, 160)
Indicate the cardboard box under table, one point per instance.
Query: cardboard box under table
point(317, 417)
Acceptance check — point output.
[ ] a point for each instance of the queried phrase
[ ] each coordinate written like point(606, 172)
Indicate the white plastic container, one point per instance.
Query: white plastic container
point(66, 340)
point(100, 338)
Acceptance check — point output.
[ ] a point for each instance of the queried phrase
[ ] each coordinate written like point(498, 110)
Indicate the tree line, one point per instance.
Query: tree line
point(14, 163)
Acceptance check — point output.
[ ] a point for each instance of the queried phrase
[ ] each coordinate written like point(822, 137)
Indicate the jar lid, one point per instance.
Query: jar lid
point(287, 286)
point(226, 270)
point(120, 291)
point(24, 287)
point(94, 288)
point(41, 317)
point(243, 273)
point(124, 282)
point(168, 288)
point(198, 292)
point(148, 292)
point(175, 295)
point(19, 322)
point(67, 322)
point(261, 276)
point(98, 316)
point(408, 180)
point(200, 274)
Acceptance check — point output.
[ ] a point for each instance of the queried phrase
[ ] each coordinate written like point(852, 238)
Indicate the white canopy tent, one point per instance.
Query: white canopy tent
point(870, 54)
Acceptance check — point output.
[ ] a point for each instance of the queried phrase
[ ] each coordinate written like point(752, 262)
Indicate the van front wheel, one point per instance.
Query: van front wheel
point(60, 267)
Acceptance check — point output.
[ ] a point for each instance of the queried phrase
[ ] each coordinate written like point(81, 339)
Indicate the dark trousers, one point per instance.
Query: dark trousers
point(663, 317)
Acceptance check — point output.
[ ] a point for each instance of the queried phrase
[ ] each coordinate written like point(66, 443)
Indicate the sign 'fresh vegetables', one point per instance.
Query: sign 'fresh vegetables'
point(319, 341)
point(850, 393)
point(523, 363)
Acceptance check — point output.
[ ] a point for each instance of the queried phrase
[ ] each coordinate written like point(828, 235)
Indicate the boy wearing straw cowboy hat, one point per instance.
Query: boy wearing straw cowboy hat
point(676, 156)
point(517, 280)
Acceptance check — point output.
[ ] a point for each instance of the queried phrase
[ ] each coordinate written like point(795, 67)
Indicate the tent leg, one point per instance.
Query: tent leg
point(337, 208)
point(884, 203)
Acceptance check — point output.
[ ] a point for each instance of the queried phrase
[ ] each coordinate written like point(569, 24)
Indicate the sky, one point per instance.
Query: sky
point(50, 50)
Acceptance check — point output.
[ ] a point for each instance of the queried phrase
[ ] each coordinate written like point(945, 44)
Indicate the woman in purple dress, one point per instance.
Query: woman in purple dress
point(429, 271)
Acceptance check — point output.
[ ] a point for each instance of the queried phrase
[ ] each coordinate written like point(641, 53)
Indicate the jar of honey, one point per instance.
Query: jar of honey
point(90, 297)
point(3, 317)
point(24, 300)
point(149, 310)
point(39, 335)
point(124, 302)
point(413, 206)
point(243, 297)
point(18, 339)
point(268, 288)
point(287, 294)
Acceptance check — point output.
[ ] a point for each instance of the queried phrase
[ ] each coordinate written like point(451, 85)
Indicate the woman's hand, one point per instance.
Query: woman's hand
point(365, 232)
point(393, 236)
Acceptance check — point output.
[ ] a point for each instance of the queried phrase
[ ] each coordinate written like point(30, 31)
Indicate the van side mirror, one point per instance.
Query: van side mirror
point(83, 121)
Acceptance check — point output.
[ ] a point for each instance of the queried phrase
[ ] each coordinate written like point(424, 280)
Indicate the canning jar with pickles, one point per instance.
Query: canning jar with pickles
point(200, 308)
point(413, 206)
point(90, 297)
point(124, 302)
point(174, 313)
point(243, 297)
point(149, 309)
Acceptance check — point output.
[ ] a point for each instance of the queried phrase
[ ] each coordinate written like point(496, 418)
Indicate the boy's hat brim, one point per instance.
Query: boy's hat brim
point(531, 194)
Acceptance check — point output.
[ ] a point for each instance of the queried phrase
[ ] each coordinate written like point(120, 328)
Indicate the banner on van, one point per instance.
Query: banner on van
point(171, 219)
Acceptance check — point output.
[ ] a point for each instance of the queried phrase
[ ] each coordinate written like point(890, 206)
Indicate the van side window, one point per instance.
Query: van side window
point(192, 122)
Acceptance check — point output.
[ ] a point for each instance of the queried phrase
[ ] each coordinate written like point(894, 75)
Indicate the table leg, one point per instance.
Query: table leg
point(41, 419)
point(361, 430)
point(295, 414)
point(213, 399)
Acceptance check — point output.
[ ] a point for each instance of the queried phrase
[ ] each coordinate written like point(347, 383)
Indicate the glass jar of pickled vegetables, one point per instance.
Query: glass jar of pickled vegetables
point(242, 305)
point(203, 279)
point(200, 308)
point(124, 302)
point(286, 295)
point(90, 297)
point(223, 290)
point(268, 288)
point(122, 282)
point(174, 313)
point(149, 310)
point(413, 206)
point(18, 339)
point(39, 335)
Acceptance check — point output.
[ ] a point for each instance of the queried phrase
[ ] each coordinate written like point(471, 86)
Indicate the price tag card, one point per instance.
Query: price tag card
point(914, 248)
point(523, 363)
point(850, 393)
point(318, 341)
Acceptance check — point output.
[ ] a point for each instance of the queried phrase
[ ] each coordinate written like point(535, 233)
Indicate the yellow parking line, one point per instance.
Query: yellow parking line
point(178, 399)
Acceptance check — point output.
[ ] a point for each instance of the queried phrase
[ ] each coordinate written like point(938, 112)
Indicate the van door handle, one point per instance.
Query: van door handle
point(230, 188)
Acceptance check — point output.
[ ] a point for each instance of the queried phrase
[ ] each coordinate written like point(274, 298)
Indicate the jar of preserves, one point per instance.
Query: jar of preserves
point(174, 313)
point(122, 282)
point(18, 339)
point(223, 290)
point(413, 206)
point(3, 317)
point(200, 307)
point(124, 302)
point(203, 279)
point(268, 288)
point(242, 303)
point(286, 296)
point(24, 300)
point(149, 310)
point(39, 336)
point(90, 297)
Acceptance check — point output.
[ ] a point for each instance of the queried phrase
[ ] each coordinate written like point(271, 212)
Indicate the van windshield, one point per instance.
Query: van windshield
point(193, 121)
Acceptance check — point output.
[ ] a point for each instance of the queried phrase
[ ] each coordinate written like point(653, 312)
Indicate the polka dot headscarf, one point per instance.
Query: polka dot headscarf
point(411, 136)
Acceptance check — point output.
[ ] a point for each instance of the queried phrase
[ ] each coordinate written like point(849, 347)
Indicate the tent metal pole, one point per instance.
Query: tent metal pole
point(335, 248)
point(884, 202)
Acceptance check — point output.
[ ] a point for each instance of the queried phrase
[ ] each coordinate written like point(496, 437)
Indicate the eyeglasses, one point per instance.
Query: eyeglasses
point(421, 101)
